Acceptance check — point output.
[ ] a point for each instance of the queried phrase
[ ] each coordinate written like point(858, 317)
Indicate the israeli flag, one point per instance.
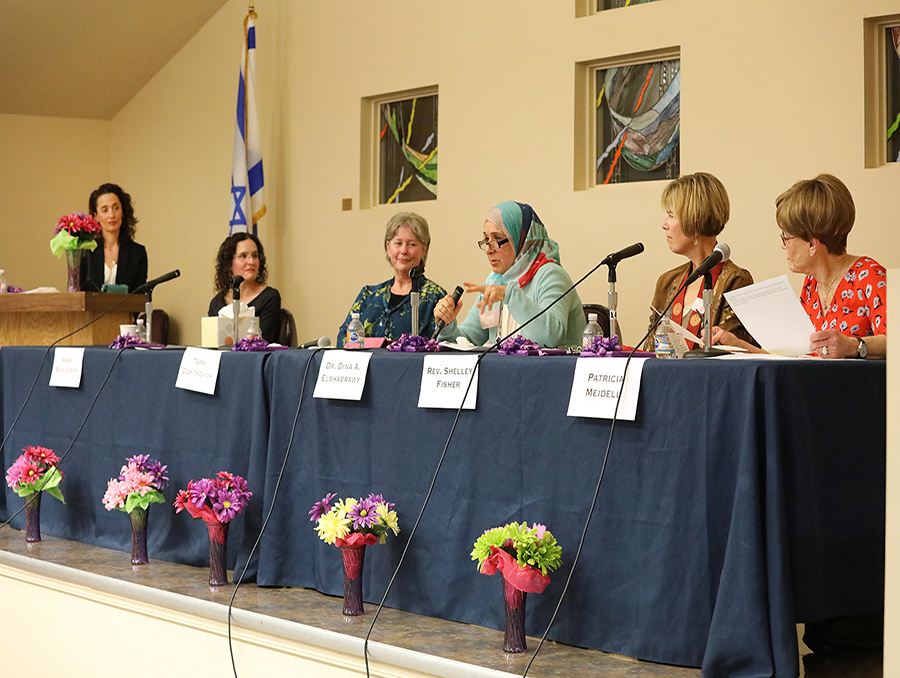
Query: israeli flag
point(248, 199)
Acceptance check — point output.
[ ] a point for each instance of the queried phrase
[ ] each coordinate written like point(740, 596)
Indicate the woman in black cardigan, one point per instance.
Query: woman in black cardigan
point(118, 259)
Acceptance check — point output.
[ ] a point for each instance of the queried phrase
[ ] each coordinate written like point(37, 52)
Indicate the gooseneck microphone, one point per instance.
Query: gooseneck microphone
point(457, 295)
point(616, 257)
point(720, 253)
point(150, 284)
point(416, 275)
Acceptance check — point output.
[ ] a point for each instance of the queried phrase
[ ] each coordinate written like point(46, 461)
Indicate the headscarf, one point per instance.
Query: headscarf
point(533, 246)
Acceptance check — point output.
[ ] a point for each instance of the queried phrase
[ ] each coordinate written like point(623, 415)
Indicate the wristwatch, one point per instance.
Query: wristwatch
point(862, 350)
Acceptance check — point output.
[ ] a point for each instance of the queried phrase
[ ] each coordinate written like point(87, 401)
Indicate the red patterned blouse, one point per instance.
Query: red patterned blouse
point(858, 305)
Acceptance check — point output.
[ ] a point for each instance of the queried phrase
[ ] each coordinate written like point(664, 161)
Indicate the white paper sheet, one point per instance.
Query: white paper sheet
point(774, 316)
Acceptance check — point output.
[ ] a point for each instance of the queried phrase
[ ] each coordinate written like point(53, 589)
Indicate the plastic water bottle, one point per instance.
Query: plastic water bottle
point(591, 331)
point(142, 331)
point(662, 340)
point(356, 333)
point(253, 330)
point(3, 285)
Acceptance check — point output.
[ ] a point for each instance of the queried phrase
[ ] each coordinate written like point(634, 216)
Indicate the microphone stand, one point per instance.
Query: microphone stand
point(611, 300)
point(148, 312)
point(414, 303)
point(707, 351)
point(236, 309)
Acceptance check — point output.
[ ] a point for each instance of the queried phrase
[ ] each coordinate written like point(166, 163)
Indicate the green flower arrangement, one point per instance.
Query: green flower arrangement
point(523, 555)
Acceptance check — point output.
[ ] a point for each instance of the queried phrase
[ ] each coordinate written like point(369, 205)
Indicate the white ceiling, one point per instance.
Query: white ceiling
point(88, 58)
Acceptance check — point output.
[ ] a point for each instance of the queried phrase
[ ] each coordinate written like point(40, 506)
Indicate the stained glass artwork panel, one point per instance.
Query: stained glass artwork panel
point(892, 92)
point(638, 122)
point(615, 4)
point(408, 150)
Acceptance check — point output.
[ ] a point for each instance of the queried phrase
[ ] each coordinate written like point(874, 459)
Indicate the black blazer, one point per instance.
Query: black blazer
point(132, 270)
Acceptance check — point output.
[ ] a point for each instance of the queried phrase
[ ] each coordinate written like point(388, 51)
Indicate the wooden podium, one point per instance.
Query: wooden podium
point(40, 319)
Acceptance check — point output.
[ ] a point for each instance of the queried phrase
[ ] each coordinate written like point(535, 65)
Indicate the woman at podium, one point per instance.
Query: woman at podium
point(526, 277)
point(118, 259)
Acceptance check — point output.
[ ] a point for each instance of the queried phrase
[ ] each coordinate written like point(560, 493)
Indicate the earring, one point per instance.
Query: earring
point(695, 242)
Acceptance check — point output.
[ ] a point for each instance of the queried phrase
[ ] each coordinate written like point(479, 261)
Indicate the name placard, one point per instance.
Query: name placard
point(67, 364)
point(199, 370)
point(342, 375)
point(445, 379)
point(596, 386)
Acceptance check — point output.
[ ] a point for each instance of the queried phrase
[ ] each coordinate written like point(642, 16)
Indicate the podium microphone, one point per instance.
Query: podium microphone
point(457, 295)
point(720, 253)
point(150, 284)
point(616, 257)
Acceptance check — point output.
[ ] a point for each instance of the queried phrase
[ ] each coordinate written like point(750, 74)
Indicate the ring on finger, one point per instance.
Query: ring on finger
point(824, 350)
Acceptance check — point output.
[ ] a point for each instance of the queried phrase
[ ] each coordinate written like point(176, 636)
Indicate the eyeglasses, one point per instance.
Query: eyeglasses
point(243, 256)
point(489, 245)
point(785, 239)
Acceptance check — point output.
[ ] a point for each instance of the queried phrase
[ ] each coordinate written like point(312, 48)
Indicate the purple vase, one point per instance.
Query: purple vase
point(33, 517)
point(218, 538)
point(73, 263)
point(139, 517)
point(352, 559)
point(514, 607)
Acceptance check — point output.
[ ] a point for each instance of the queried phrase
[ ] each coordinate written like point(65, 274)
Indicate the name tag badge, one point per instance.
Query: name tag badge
point(342, 375)
point(596, 386)
point(445, 379)
point(67, 367)
point(199, 370)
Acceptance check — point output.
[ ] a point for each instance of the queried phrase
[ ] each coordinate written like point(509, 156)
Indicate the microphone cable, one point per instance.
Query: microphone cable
point(496, 345)
point(593, 505)
point(262, 529)
point(62, 458)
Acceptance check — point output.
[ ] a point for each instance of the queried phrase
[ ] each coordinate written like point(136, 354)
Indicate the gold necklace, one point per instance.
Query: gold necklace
point(829, 291)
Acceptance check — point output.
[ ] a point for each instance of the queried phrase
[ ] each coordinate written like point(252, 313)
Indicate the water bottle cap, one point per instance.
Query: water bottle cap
point(592, 317)
point(354, 316)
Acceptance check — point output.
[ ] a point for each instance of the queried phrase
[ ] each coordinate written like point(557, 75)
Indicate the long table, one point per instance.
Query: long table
point(747, 496)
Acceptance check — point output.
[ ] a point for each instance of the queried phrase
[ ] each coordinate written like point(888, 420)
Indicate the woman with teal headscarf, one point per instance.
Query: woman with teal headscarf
point(525, 278)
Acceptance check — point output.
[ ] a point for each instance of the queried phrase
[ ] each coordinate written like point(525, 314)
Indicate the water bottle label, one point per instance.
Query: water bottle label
point(354, 337)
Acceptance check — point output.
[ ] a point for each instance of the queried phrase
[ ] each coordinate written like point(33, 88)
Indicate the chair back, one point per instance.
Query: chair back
point(159, 326)
point(602, 316)
point(287, 335)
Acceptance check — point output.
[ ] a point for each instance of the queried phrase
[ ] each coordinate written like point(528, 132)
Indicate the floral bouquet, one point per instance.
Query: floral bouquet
point(36, 470)
point(216, 501)
point(27, 473)
point(413, 343)
point(139, 484)
point(351, 525)
point(74, 232)
point(523, 555)
point(354, 522)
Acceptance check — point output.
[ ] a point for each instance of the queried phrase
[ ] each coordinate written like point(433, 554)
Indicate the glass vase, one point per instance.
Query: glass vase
point(139, 517)
point(73, 263)
point(33, 517)
point(514, 607)
point(218, 538)
point(352, 559)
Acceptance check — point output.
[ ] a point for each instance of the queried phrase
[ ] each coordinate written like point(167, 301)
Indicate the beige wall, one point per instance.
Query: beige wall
point(48, 168)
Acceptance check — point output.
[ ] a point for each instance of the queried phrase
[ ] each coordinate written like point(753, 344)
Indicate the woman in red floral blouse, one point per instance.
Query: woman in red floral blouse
point(843, 294)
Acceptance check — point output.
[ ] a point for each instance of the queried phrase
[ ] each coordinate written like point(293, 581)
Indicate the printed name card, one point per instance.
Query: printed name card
point(67, 363)
point(596, 386)
point(342, 375)
point(445, 379)
point(199, 370)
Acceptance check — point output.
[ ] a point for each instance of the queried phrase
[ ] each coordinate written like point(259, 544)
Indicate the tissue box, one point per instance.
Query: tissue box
point(218, 331)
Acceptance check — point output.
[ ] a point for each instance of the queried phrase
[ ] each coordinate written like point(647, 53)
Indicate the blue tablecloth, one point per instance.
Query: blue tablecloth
point(748, 494)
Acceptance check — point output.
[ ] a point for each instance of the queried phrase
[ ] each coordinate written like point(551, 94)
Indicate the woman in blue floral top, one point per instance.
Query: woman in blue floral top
point(384, 309)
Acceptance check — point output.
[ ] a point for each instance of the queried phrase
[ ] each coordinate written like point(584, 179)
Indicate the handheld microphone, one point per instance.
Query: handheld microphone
point(321, 342)
point(150, 284)
point(721, 253)
point(457, 295)
point(616, 257)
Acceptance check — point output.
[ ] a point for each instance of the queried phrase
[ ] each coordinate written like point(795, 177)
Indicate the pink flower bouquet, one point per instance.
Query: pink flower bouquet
point(138, 485)
point(34, 471)
point(75, 231)
point(214, 500)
